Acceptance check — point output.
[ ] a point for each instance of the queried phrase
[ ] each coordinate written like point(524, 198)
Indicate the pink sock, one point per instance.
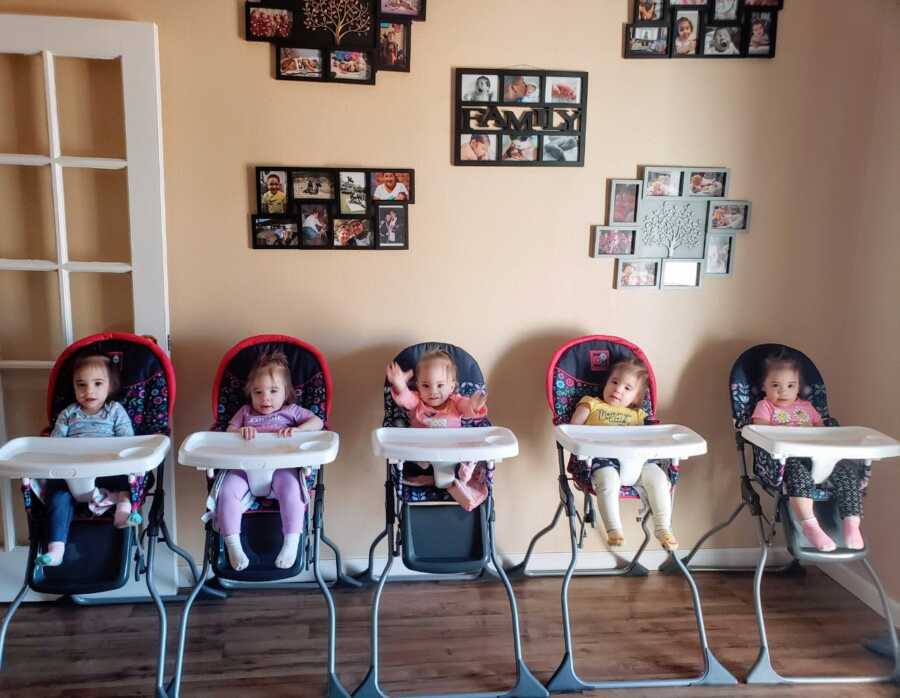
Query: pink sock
point(815, 535)
point(852, 534)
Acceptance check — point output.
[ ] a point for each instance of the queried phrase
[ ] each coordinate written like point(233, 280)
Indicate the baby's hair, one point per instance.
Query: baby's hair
point(691, 25)
point(637, 367)
point(275, 365)
point(439, 355)
point(780, 359)
point(759, 22)
point(480, 138)
point(99, 361)
point(269, 176)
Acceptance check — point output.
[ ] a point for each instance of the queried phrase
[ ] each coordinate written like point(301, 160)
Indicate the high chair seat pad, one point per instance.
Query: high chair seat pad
point(464, 444)
point(823, 446)
point(41, 457)
point(228, 451)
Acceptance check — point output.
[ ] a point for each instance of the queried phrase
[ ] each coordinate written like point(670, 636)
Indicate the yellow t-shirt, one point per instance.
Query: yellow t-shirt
point(274, 203)
point(609, 415)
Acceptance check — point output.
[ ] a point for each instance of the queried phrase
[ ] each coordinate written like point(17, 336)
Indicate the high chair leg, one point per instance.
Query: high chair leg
point(7, 617)
point(521, 569)
point(161, 612)
point(335, 689)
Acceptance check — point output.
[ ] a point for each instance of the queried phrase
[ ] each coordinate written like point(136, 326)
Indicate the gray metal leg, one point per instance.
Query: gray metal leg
point(161, 612)
point(7, 617)
point(341, 579)
point(174, 687)
point(335, 689)
point(369, 687)
point(669, 566)
point(521, 570)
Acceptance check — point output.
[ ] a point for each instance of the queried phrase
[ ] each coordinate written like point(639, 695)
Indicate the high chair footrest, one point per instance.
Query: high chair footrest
point(830, 521)
point(262, 540)
point(444, 538)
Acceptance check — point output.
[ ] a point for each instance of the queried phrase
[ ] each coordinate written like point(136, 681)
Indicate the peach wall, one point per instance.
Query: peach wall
point(512, 245)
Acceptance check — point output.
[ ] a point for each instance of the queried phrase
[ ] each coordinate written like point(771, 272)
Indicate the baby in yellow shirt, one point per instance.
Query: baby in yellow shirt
point(623, 393)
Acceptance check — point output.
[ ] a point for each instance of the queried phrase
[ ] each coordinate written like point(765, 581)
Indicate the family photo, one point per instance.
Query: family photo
point(519, 147)
point(274, 233)
point(477, 146)
point(638, 274)
point(729, 216)
point(300, 63)
point(718, 254)
point(706, 183)
point(312, 185)
point(354, 196)
point(624, 202)
point(314, 225)
point(393, 45)
point(267, 23)
point(392, 228)
point(409, 9)
point(392, 186)
point(351, 65)
point(352, 232)
point(662, 183)
point(563, 89)
point(479, 88)
point(613, 241)
point(273, 198)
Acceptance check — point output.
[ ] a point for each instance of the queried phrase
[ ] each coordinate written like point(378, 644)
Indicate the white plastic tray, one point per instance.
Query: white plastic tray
point(42, 457)
point(452, 445)
point(631, 446)
point(228, 451)
point(824, 445)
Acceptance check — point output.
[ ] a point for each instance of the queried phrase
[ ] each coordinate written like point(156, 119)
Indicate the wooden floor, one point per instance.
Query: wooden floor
point(450, 636)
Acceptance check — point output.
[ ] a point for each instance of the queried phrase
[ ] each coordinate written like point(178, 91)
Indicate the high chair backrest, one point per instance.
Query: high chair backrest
point(581, 366)
point(147, 379)
point(310, 376)
point(468, 376)
point(747, 377)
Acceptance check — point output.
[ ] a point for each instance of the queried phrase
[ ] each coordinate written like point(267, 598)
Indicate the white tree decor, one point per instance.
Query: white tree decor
point(340, 17)
point(673, 225)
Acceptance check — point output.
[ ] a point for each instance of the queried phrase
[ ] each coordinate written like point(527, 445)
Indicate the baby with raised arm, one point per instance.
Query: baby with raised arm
point(435, 403)
point(623, 395)
point(94, 414)
point(781, 384)
point(271, 410)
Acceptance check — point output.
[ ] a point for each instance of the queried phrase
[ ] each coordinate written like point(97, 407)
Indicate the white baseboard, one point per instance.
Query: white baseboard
point(862, 588)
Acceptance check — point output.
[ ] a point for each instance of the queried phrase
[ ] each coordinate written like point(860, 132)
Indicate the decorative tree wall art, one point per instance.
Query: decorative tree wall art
point(671, 228)
point(344, 41)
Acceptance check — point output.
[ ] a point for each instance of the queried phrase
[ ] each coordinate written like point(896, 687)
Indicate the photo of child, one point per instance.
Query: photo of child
point(409, 8)
point(624, 208)
point(314, 225)
point(300, 62)
point(393, 45)
point(706, 183)
point(725, 10)
point(648, 41)
point(649, 10)
point(477, 146)
point(274, 233)
point(560, 149)
point(351, 65)
point(662, 183)
point(613, 241)
point(638, 274)
point(722, 41)
point(718, 254)
point(521, 88)
point(686, 23)
point(519, 148)
point(730, 216)
point(760, 43)
point(480, 88)
point(562, 89)
point(352, 232)
point(312, 185)
point(271, 184)
point(353, 192)
point(392, 230)
point(391, 186)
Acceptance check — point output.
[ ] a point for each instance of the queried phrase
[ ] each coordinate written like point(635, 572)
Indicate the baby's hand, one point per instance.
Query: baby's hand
point(396, 376)
point(248, 433)
point(287, 432)
point(478, 400)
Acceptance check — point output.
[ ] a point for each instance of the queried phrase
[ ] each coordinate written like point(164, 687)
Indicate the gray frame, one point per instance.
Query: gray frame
point(662, 168)
point(731, 243)
point(726, 187)
point(710, 230)
point(676, 260)
point(612, 200)
point(595, 240)
point(620, 262)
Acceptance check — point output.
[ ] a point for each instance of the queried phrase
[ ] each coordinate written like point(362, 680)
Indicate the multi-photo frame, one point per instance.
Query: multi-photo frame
point(702, 29)
point(517, 118)
point(320, 208)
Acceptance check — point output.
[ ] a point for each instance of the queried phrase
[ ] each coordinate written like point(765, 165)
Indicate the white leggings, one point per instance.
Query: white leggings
point(653, 479)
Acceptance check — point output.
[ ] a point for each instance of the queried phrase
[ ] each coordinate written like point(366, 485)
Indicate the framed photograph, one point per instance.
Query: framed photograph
point(479, 87)
point(768, 4)
point(662, 181)
point(299, 63)
point(518, 148)
point(649, 10)
point(312, 185)
point(688, 3)
point(624, 195)
point(354, 194)
point(719, 257)
point(637, 273)
point(686, 32)
point(352, 66)
point(264, 23)
point(724, 11)
point(706, 182)
point(760, 31)
point(477, 146)
point(722, 42)
point(271, 190)
point(393, 185)
point(646, 42)
point(560, 149)
point(394, 46)
point(402, 9)
point(315, 225)
point(274, 233)
point(562, 89)
point(518, 89)
point(728, 216)
point(611, 241)
point(353, 233)
point(681, 273)
point(393, 228)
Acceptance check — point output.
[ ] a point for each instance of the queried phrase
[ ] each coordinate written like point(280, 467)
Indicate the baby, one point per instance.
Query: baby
point(93, 414)
point(274, 200)
point(435, 403)
point(482, 91)
point(781, 385)
point(622, 396)
point(685, 38)
point(271, 410)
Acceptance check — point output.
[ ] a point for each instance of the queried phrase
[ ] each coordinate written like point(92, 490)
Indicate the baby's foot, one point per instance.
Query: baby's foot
point(464, 472)
point(53, 556)
point(667, 539)
point(236, 557)
point(123, 512)
point(615, 538)
point(815, 535)
point(852, 534)
point(288, 555)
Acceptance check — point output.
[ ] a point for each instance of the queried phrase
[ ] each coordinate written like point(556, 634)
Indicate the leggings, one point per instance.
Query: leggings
point(845, 478)
point(653, 479)
point(61, 504)
point(285, 488)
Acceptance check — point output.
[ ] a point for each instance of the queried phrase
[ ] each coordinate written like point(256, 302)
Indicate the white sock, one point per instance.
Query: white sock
point(235, 550)
point(288, 555)
point(54, 555)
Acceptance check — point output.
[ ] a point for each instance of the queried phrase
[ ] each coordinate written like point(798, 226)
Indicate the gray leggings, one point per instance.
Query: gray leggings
point(845, 479)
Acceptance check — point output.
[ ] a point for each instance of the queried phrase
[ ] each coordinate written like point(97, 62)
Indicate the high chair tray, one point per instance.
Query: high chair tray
point(445, 445)
point(228, 451)
point(824, 445)
point(42, 457)
point(631, 446)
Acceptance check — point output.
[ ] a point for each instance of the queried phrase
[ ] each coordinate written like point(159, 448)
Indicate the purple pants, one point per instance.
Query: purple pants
point(285, 488)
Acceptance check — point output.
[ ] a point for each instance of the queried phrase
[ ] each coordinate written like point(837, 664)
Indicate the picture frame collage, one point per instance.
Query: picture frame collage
point(327, 208)
point(702, 29)
point(671, 228)
point(311, 46)
point(519, 118)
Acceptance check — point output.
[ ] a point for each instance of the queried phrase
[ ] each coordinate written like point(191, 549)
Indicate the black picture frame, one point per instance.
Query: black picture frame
point(382, 236)
point(263, 174)
point(311, 190)
point(747, 49)
point(387, 14)
point(712, 18)
point(637, 18)
point(699, 26)
point(251, 8)
point(282, 59)
point(382, 51)
point(373, 172)
point(261, 224)
point(627, 44)
point(717, 29)
point(698, 4)
point(340, 55)
point(776, 5)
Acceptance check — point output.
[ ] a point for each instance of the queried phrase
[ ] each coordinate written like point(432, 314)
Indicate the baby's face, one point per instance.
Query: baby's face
point(482, 84)
point(623, 388)
point(781, 386)
point(433, 383)
point(274, 185)
point(758, 30)
point(721, 40)
point(267, 394)
point(91, 388)
point(684, 30)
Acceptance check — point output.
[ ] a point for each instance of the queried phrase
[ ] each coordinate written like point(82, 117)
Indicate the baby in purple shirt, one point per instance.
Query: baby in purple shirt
point(271, 410)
